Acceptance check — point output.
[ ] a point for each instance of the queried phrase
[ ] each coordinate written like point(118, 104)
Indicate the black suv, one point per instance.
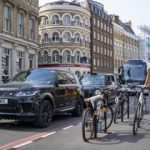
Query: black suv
point(35, 95)
point(92, 83)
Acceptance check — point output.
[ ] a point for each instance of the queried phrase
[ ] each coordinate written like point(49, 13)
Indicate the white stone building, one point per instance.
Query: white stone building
point(65, 37)
point(18, 36)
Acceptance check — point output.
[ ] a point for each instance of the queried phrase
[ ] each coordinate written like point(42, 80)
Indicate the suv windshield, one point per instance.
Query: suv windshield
point(93, 80)
point(37, 76)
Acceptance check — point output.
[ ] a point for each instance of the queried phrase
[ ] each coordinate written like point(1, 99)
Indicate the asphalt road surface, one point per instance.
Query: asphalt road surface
point(65, 134)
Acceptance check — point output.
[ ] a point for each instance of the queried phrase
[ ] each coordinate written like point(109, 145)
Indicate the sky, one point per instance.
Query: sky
point(135, 10)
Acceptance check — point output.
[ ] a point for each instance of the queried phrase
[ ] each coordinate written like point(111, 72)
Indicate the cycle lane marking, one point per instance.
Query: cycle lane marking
point(36, 136)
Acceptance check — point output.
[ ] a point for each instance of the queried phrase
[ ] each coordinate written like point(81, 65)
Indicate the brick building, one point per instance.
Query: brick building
point(18, 36)
point(102, 54)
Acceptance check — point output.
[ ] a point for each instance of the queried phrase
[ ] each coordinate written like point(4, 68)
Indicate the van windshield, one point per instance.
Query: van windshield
point(134, 72)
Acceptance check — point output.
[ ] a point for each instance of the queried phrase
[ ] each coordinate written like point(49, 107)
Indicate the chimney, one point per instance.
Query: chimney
point(116, 18)
point(129, 23)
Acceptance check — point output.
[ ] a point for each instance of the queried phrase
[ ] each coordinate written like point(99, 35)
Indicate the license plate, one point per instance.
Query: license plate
point(3, 101)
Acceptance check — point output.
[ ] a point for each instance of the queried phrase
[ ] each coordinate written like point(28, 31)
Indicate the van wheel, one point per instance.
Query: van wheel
point(78, 108)
point(45, 115)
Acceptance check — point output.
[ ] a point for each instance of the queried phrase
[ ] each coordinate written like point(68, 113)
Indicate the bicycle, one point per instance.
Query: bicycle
point(122, 103)
point(97, 117)
point(139, 109)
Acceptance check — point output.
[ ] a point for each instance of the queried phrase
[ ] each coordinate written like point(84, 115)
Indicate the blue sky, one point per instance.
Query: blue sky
point(135, 10)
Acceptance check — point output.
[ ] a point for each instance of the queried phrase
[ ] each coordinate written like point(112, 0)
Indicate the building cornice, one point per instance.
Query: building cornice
point(71, 8)
point(5, 37)
point(75, 28)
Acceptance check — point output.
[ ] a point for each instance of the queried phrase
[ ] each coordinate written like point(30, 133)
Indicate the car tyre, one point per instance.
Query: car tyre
point(45, 115)
point(78, 108)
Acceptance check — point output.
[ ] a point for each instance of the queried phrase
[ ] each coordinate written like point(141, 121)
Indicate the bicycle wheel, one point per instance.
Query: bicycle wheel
point(87, 125)
point(136, 102)
point(137, 119)
point(105, 118)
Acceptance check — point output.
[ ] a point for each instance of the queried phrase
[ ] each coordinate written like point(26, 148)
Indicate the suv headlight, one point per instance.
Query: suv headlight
point(97, 92)
point(26, 93)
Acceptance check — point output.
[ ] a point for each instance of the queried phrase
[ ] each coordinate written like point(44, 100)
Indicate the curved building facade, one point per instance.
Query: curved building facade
point(65, 37)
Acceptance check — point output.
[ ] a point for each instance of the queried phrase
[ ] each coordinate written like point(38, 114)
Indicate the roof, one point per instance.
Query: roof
point(61, 2)
point(125, 26)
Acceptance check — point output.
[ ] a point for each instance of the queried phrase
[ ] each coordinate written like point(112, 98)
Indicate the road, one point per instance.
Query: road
point(65, 134)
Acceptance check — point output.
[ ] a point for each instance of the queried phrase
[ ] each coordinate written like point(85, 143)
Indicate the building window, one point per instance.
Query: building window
point(7, 19)
point(45, 56)
point(94, 34)
point(84, 22)
point(67, 56)
point(84, 39)
point(6, 63)
point(66, 37)
point(55, 37)
point(45, 38)
point(31, 29)
point(94, 21)
point(19, 63)
point(45, 21)
point(21, 24)
point(66, 20)
point(31, 61)
point(77, 37)
point(77, 20)
point(77, 56)
point(55, 56)
point(55, 19)
point(94, 62)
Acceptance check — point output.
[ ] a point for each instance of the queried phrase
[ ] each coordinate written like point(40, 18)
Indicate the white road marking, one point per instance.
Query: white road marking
point(25, 143)
point(67, 127)
point(48, 134)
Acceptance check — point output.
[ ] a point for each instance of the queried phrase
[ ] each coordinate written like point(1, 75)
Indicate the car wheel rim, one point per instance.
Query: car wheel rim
point(46, 114)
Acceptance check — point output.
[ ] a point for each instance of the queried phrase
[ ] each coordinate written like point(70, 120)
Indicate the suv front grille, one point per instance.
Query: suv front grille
point(7, 93)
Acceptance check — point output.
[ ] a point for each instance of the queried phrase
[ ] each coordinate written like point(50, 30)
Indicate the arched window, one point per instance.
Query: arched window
point(55, 56)
point(55, 37)
point(66, 20)
point(77, 20)
point(84, 22)
point(84, 54)
point(66, 37)
point(55, 19)
point(88, 39)
point(45, 56)
point(77, 56)
point(45, 38)
point(67, 56)
point(84, 39)
point(45, 20)
point(77, 37)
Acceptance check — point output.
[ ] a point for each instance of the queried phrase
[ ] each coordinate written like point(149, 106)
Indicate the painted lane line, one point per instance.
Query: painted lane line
point(48, 134)
point(33, 137)
point(23, 144)
point(68, 127)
